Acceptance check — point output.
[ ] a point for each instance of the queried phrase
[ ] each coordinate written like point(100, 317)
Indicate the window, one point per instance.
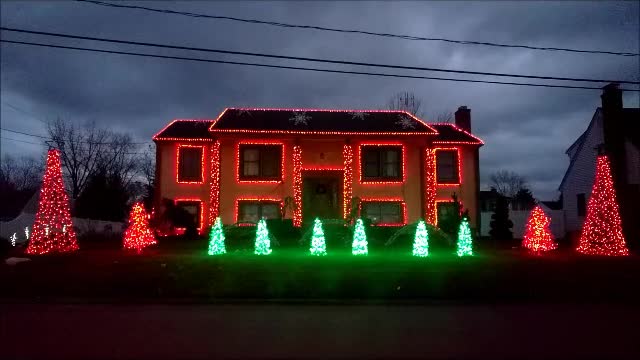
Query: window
point(190, 164)
point(260, 162)
point(252, 211)
point(383, 212)
point(191, 214)
point(446, 210)
point(582, 204)
point(381, 163)
point(447, 167)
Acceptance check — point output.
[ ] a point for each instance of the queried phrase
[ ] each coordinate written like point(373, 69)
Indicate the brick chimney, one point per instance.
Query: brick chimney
point(463, 118)
point(613, 128)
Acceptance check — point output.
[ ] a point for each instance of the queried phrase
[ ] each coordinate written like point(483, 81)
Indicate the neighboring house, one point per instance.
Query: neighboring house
point(305, 163)
point(616, 131)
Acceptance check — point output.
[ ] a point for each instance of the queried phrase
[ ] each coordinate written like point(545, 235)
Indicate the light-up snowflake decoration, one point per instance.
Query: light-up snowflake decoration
point(26, 232)
point(244, 112)
point(299, 118)
point(405, 122)
point(358, 115)
point(13, 239)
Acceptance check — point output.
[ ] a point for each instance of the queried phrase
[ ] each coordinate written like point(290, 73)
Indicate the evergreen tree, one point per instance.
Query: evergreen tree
point(465, 241)
point(318, 244)
point(359, 245)
point(216, 239)
point(500, 223)
point(537, 236)
point(138, 235)
point(262, 244)
point(421, 240)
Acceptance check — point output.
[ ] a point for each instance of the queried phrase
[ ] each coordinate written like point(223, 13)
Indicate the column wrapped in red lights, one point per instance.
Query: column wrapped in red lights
point(53, 229)
point(537, 236)
point(214, 192)
point(297, 185)
point(138, 235)
point(602, 228)
point(347, 181)
point(430, 215)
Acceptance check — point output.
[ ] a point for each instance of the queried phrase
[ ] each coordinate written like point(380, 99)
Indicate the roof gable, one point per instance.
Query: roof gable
point(579, 144)
point(181, 129)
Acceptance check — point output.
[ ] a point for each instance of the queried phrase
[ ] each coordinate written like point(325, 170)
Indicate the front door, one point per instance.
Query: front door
point(321, 197)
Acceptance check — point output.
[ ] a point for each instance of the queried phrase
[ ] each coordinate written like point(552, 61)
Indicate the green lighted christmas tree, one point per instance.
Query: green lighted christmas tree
point(465, 246)
point(421, 240)
point(263, 244)
point(216, 239)
point(318, 245)
point(359, 245)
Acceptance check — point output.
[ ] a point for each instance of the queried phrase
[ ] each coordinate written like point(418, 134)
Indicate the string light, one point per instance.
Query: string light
point(602, 228)
point(421, 240)
point(259, 199)
point(200, 208)
point(458, 157)
point(53, 213)
point(382, 182)
point(465, 243)
point(263, 143)
point(537, 236)
point(26, 232)
point(400, 201)
point(138, 235)
point(178, 180)
point(318, 244)
point(214, 190)
point(216, 239)
point(262, 243)
point(13, 239)
point(436, 207)
point(477, 142)
point(157, 136)
point(359, 246)
point(297, 185)
point(431, 215)
point(347, 181)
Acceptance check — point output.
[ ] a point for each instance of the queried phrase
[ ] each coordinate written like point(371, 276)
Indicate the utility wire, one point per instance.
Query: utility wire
point(22, 141)
point(50, 139)
point(363, 32)
point(24, 112)
point(341, 62)
point(304, 68)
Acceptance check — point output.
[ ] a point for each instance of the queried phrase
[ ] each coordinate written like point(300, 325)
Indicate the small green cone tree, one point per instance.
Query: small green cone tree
point(262, 244)
point(318, 244)
point(216, 239)
point(421, 240)
point(359, 245)
point(465, 245)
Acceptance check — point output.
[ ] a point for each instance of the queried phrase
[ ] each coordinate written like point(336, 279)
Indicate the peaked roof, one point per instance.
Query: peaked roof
point(182, 129)
point(450, 133)
point(579, 143)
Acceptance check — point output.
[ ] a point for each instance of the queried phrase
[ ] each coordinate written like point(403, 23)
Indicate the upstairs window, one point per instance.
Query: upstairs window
point(253, 211)
point(381, 163)
point(190, 164)
point(383, 212)
point(447, 170)
point(260, 163)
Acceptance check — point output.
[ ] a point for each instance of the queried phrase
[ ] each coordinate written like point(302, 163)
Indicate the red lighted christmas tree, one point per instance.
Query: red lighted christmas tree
point(53, 229)
point(138, 235)
point(602, 228)
point(538, 237)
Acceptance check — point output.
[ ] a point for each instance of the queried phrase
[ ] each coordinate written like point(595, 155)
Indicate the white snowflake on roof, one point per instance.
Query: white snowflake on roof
point(405, 122)
point(299, 118)
point(358, 115)
point(244, 112)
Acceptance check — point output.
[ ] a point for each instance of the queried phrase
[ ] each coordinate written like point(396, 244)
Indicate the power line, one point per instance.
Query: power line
point(50, 139)
point(304, 68)
point(363, 32)
point(24, 112)
point(23, 133)
point(341, 62)
point(22, 141)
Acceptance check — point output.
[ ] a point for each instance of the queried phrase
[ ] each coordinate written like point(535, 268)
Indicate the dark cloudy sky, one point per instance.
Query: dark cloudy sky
point(525, 130)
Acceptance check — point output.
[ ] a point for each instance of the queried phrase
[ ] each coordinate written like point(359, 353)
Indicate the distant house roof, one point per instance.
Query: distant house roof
point(552, 205)
point(185, 129)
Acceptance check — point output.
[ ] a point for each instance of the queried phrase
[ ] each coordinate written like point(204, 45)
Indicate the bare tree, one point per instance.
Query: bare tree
point(444, 117)
point(508, 183)
point(147, 166)
point(406, 101)
point(24, 173)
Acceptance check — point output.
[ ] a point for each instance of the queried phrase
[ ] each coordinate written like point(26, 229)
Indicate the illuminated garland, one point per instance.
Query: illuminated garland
point(214, 194)
point(262, 243)
point(537, 236)
point(347, 181)
point(138, 235)
point(602, 228)
point(53, 228)
point(359, 246)
point(431, 215)
point(465, 243)
point(297, 185)
point(216, 239)
point(318, 244)
point(421, 240)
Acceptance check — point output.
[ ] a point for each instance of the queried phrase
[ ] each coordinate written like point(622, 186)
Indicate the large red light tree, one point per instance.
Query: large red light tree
point(602, 228)
point(53, 229)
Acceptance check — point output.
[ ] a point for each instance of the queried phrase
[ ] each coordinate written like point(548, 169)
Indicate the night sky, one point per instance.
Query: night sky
point(525, 129)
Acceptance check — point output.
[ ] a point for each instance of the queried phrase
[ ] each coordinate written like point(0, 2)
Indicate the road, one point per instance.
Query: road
point(317, 331)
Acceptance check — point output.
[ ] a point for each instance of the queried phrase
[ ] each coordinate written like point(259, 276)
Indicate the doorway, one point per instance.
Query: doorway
point(321, 195)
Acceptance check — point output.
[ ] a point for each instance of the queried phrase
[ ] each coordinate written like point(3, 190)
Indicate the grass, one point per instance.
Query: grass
point(189, 275)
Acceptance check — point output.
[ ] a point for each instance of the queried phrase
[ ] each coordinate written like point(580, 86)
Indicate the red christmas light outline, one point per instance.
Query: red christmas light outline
point(459, 156)
point(381, 182)
point(403, 204)
point(266, 199)
point(443, 201)
point(214, 190)
point(347, 179)
point(479, 141)
point(177, 200)
point(430, 192)
point(297, 185)
point(260, 142)
point(201, 164)
point(156, 138)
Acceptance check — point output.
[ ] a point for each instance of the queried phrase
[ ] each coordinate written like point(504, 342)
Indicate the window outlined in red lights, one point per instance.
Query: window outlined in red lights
point(458, 163)
point(176, 202)
point(403, 155)
point(202, 150)
point(400, 201)
point(258, 143)
point(257, 199)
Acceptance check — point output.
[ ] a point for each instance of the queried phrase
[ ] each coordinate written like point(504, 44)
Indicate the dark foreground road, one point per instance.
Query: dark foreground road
point(318, 331)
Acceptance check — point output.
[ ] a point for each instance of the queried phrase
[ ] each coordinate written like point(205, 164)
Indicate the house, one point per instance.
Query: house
point(616, 131)
point(300, 164)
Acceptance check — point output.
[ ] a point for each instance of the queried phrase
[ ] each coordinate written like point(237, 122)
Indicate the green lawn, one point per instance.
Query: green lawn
point(192, 276)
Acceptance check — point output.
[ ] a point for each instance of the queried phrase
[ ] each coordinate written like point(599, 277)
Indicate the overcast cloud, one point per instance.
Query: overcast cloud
point(525, 129)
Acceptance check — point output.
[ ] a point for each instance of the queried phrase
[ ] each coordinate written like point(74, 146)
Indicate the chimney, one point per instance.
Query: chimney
point(463, 118)
point(611, 97)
